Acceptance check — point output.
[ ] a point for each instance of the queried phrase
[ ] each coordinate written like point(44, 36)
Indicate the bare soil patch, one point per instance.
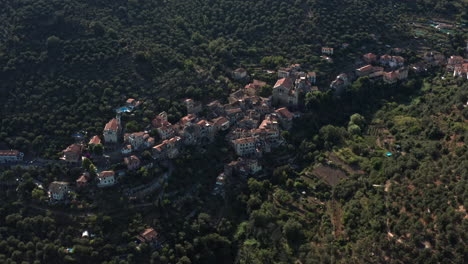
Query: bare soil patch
point(330, 175)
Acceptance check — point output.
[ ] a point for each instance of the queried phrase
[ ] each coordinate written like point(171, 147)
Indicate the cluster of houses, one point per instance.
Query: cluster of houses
point(375, 68)
point(251, 124)
point(389, 69)
point(459, 66)
point(292, 85)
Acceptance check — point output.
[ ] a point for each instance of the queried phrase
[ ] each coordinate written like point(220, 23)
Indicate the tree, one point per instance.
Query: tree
point(293, 231)
point(184, 260)
point(98, 149)
point(265, 91)
point(358, 120)
point(332, 134)
point(354, 129)
point(86, 164)
point(38, 195)
point(53, 43)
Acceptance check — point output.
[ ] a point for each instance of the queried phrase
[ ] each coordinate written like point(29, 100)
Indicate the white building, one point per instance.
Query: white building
point(106, 178)
point(10, 156)
point(244, 146)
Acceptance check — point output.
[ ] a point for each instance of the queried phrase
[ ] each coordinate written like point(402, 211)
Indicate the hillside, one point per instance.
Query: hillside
point(248, 131)
point(67, 64)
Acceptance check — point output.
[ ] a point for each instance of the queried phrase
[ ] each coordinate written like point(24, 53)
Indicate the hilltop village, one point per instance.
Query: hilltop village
point(252, 125)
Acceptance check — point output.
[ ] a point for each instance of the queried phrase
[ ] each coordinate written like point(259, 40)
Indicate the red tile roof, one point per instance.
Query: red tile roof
point(286, 82)
point(159, 122)
point(105, 174)
point(112, 125)
point(9, 152)
point(131, 160)
point(220, 121)
point(204, 123)
point(391, 75)
point(73, 148)
point(188, 118)
point(367, 68)
point(370, 56)
point(284, 112)
point(95, 140)
point(83, 178)
point(385, 57)
point(245, 140)
point(148, 235)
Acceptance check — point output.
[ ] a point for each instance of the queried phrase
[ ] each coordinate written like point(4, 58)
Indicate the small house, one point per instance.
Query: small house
point(239, 73)
point(106, 178)
point(58, 190)
point(149, 236)
point(132, 162)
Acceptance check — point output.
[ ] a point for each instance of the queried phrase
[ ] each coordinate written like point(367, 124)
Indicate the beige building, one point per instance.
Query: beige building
point(112, 130)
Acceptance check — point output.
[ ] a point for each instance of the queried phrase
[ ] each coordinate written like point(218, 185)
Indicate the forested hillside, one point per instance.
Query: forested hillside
point(66, 64)
point(406, 207)
point(377, 174)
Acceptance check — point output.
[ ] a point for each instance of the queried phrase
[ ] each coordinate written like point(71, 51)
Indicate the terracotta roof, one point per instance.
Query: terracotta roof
point(204, 123)
point(73, 148)
point(234, 111)
point(214, 103)
point(95, 140)
point(220, 121)
point(259, 83)
point(391, 75)
point(105, 174)
point(245, 140)
point(130, 101)
point(385, 57)
point(367, 68)
point(455, 60)
point(166, 142)
point(286, 82)
point(9, 152)
point(83, 178)
point(161, 146)
point(370, 56)
point(148, 235)
point(138, 134)
point(256, 84)
point(284, 112)
point(112, 125)
point(240, 70)
point(131, 159)
point(174, 139)
point(188, 118)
